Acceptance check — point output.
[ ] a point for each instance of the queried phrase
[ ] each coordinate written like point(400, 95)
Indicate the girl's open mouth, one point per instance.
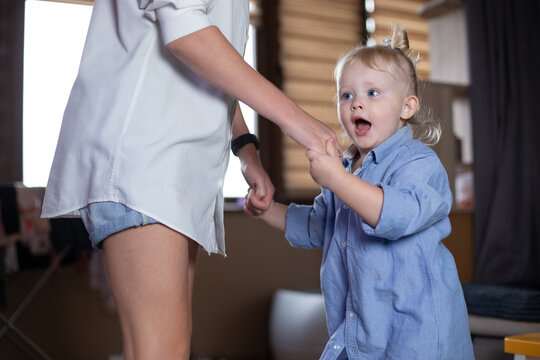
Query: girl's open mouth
point(362, 127)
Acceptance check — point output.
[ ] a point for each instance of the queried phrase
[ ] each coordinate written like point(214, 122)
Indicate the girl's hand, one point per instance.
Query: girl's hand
point(325, 167)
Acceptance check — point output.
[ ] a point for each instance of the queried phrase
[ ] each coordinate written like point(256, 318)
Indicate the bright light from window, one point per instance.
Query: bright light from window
point(54, 35)
point(370, 5)
point(54, 38)
point(370, 24)
point(235, 186)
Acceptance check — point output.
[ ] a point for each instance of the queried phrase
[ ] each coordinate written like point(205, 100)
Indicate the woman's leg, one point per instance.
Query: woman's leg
point(193, 257)
point(150, 272)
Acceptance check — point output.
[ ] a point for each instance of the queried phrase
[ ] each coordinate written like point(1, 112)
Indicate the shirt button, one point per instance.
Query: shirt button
point(344, 243)
point(351, 314)
point(337, 347)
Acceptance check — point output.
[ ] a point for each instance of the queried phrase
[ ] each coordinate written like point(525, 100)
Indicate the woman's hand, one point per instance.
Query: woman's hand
point(261, 190)
point(310, 133)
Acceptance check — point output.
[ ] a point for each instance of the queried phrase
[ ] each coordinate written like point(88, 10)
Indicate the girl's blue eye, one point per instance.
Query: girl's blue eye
point(346, 96)
point(373, 92)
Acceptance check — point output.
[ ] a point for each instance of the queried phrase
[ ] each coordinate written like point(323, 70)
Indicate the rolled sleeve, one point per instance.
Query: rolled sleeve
point(305, 226)
point(407, 210)
point(178, 18)
point(393, 219)
point(297, 225)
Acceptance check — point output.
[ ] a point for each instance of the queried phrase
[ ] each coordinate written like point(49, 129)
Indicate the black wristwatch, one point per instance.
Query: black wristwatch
point(243, 140)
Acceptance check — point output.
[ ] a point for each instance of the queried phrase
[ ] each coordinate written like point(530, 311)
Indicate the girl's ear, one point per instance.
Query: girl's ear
point(410, 105)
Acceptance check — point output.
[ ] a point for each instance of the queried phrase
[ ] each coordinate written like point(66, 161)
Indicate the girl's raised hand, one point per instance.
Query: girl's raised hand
point(325, 167)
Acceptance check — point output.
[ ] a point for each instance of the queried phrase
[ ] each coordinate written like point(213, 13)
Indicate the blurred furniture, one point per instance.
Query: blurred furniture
point(28, 347)
point(497, 312)
point(27, 241)
point(527, 345)
point(297, 325)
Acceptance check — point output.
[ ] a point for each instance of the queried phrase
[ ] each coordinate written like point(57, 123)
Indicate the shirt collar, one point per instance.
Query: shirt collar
point(381, 151)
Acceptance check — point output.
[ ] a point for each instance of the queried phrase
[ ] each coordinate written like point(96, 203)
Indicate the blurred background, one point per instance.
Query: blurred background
point(480, 78)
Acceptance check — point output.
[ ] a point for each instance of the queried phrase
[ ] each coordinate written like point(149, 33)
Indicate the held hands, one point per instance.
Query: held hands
point(326, 166)
point(261, 190)
point(259, 201)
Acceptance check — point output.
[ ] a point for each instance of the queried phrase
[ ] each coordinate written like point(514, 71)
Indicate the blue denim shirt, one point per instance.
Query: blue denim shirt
point(391, 292)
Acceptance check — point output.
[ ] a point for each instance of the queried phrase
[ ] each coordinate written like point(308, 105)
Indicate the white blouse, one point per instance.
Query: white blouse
point(140, 128)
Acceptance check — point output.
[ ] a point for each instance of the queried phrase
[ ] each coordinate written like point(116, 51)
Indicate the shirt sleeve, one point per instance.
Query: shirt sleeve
point(416, 197)
point(177, 18)
point(305, 225)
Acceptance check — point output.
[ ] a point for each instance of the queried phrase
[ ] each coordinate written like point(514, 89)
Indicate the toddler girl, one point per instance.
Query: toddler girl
point(390, 286)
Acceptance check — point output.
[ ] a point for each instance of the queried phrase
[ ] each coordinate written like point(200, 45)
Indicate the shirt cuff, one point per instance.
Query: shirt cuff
point(176, 23)
point(393, 220)
point(297, 221)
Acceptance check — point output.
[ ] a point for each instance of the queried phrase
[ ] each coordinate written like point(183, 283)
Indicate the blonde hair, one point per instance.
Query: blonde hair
point(398, 59)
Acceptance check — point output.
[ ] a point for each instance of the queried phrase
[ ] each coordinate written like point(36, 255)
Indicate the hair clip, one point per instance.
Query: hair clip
point(387, 41)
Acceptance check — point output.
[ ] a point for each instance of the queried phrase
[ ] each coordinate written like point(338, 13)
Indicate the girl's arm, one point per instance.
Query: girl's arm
point(261, 190)
point(362, 197)
point(208, 53)
point(276, 216)
point(421, 199)
point(304, 226)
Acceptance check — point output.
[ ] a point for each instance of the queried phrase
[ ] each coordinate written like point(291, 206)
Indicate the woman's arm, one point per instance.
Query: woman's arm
point(208, 53)
point(261, 190)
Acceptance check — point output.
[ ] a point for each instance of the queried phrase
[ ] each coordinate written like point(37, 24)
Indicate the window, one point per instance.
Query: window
point(54, 38)
point(379, 16)
point(312, 38)
point(51, 60)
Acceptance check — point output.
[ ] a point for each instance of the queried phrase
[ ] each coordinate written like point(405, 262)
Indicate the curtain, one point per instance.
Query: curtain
point(504, 40)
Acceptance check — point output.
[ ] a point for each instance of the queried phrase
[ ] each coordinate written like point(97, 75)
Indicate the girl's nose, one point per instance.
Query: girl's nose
point(356, 104)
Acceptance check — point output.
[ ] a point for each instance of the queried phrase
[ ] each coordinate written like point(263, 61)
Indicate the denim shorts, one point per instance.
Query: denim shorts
point(103, 219)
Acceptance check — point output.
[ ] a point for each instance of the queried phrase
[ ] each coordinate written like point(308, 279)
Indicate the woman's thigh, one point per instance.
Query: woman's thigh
point(148, 271)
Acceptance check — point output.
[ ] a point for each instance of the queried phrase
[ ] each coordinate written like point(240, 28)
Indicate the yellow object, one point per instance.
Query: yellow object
point(526, 344)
